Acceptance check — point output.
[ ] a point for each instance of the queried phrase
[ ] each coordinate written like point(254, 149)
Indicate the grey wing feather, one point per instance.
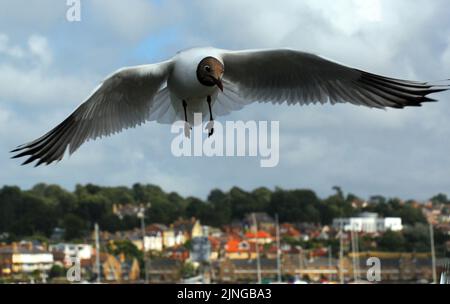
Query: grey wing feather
point(295, 77)
point(124, 100)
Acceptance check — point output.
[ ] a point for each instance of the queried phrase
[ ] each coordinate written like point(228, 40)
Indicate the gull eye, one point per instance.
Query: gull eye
point(207, 68)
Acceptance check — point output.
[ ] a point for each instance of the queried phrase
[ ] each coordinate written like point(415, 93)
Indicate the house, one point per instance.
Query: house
point(57, 234)
point(397, 266)
point(179, 253)
point(25, 258)
point(154, 237)
point(433, 213)
point(119, 268)
point(263, 220)
point(164, 270)
point(68, 253)
point(240, 249)
point(260, 237)
point(245, 271)
point(288, 230)
point(216, 247)
point(181, 231)
point(191, 228)
point(172, 237)
point(368, 222)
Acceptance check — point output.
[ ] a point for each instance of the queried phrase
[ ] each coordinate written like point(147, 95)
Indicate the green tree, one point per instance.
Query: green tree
point(188, 270)
point(295, 206)
point(125, 247)
point(74, 226)
point(392, 241)
point(57, 271)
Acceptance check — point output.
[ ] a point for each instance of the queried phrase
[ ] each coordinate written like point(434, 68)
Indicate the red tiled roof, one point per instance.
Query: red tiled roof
point(259, 235)
point(233, 245)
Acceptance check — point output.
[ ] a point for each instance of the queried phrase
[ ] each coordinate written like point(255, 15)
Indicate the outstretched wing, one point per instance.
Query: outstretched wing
point(124, 100)
point(295, 77)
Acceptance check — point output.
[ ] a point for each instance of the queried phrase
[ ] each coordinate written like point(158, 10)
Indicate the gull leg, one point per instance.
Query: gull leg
point(187, 126)
point(210, 125)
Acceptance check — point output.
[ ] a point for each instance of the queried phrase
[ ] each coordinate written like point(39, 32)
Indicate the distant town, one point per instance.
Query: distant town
point(141, 234)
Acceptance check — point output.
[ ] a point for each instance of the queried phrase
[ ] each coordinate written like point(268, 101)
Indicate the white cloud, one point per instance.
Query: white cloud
point(28, 79)
point(130, 20)
point(38, 46)
point(366, 151)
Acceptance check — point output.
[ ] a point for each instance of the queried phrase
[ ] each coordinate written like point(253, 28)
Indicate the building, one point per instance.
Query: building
point(181, 231)
point(26, 258)
point(164, 270)
point(153, 241)
point(238, 249)
point(369, 223)
point(69, 253)
point(201, 249)
point(397, 266)
point(263, 221)
point(180, 253)
point(260, 237)
point(154, 237)
point(120, 269)
point(172, 237)
point(245, 271)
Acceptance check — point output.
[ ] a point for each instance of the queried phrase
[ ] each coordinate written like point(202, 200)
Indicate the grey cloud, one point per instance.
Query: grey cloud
point(402, 153)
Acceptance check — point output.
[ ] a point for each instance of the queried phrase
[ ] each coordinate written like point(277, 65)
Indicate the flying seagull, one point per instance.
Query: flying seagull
point(215, 82)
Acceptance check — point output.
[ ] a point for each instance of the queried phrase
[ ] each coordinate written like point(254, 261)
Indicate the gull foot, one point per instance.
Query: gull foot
point(187, 129)
point(210, 128)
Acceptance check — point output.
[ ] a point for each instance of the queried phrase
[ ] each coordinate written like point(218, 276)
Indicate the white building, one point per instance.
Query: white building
point(72, 252)
point(15, 259)
point(368, 222)
point(154, 241)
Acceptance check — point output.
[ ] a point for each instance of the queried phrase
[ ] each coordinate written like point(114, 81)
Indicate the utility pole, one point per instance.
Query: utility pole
point(355, 250)
point(97, 254)
point(330, 265)
point(358, 272)
point(278, 249)
point(141, 215)
point(341, 255)
point(433, 254)
point(258, 262)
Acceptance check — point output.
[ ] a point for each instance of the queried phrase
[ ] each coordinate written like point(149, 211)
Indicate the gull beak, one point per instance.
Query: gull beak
point(218, 83)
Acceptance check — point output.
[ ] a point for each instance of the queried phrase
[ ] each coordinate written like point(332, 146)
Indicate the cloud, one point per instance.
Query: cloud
point(26, 76)
point(39, 47)
point(48, 66)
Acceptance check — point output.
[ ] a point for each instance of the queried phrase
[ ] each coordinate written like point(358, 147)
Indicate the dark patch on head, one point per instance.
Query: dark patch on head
point(209, 70)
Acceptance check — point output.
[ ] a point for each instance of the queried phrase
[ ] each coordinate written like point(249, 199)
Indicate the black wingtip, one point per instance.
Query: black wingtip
point(19, 148)
point(428, 99)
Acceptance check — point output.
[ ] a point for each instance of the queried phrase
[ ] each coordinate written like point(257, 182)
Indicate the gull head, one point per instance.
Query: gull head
point(210, 71)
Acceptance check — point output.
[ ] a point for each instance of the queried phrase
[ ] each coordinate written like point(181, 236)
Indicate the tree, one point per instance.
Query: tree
point(295, 206)
point(10, 199)
point(74, 227)
point(188, 270)
point(392, 241)
point(243, 203)
point(33, 215)
point(440, 199)
point(126, 248)
point(196, 208)
point(57, 271)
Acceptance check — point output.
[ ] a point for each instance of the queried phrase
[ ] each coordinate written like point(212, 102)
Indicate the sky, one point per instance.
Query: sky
point(48, 66)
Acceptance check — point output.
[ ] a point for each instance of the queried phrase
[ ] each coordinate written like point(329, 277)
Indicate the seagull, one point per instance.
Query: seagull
point(215, 82)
